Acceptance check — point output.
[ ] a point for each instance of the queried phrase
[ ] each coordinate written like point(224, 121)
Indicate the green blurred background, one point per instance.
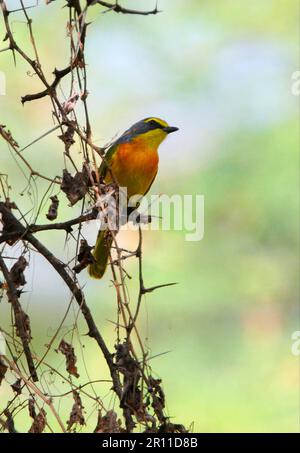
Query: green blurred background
point(221, 72)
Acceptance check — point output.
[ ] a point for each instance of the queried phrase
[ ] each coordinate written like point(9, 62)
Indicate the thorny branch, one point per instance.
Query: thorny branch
point(117, 8)
point(140, 396)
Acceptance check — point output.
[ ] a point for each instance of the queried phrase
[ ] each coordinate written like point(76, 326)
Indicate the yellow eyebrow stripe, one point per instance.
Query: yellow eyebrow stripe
point(157, 120)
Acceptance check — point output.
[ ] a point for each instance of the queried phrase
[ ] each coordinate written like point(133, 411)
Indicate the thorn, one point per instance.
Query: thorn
point(153, 288)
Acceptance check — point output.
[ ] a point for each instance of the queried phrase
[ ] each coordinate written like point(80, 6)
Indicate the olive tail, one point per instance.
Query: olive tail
point(101, 254)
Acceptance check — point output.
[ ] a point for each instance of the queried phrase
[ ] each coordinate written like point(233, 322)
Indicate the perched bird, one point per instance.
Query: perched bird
point(131, 162)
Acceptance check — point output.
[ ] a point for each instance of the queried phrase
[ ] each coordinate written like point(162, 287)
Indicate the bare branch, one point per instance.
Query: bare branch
point(117, 8)
point(140, 396)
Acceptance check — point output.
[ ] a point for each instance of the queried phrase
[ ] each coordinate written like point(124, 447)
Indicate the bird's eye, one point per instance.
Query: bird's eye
point(154, 124)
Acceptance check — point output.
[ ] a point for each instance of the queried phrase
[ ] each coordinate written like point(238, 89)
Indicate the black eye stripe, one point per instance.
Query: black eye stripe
point(154, 124)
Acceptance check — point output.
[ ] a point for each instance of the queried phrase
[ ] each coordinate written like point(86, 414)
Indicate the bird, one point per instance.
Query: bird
point(131, 162)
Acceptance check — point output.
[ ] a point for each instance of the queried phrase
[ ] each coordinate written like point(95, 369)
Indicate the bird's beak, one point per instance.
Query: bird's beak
point(170, 129)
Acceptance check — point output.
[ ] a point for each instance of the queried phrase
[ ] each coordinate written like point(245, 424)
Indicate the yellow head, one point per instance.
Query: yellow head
point(151, 130)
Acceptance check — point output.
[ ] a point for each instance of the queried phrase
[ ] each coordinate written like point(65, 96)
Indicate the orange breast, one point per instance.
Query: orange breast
point(134, 165)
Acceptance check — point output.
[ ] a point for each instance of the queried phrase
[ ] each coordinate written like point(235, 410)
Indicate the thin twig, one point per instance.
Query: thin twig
point(36, 391)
